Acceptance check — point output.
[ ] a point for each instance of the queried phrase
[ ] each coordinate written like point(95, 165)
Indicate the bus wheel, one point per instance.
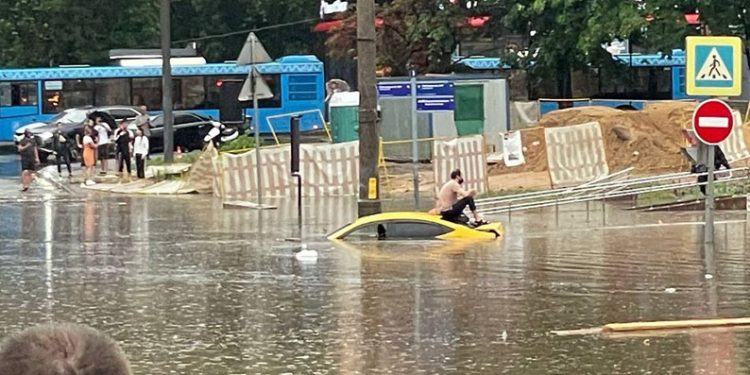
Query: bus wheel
point(626, 107)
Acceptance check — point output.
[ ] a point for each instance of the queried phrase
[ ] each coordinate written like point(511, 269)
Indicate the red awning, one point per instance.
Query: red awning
point(477, 22)
point(693, 18)
point(326, 26)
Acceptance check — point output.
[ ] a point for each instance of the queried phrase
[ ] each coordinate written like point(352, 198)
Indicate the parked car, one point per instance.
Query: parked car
point(71, 115)
point(73, 120)
point(190, 130)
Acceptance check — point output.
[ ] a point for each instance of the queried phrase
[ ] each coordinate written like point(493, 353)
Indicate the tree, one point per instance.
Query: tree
point(418, 33)
point(725, 17)
point(566, 36)
point(52, 32)
point(195, 19)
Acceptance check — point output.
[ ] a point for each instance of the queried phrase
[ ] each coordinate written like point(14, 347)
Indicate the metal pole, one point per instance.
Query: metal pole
point(299, 204)
point(414, 137)
point(255, 120)
point(369, 194)
point(708, 235)
point(166, 82)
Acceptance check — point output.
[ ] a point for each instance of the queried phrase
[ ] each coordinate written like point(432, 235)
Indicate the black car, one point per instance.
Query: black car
point(190, 129)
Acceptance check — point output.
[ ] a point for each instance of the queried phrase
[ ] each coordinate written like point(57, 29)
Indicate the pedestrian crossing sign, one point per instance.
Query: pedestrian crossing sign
point(714, 66)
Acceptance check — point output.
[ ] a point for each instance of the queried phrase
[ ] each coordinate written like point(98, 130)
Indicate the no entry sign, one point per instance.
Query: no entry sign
point(713, 121)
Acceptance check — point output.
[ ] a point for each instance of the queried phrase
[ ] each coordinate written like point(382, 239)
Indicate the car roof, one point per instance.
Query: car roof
point(393, 216)
point(108, 107)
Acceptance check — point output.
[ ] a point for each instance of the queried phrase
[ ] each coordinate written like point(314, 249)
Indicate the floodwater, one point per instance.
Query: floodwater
point(190, 288)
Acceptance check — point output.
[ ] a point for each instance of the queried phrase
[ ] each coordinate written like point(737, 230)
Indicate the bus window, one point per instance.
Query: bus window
point(213, 89)
point(112, 91)
point(274, 83)
point(637, 83)
point(18, 94)
point(60, 95)
point(192, 92)
point(147, 91)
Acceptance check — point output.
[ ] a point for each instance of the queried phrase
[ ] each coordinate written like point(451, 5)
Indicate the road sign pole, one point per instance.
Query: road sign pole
point(708, 236)
point(414, 137)
point(713, 122)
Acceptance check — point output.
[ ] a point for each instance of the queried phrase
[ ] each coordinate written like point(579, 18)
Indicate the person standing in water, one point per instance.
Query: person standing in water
point(89, 150)
point(140, 149)
point(102, 130)
point(29, 159)
point(61, 145)
point(123, 139)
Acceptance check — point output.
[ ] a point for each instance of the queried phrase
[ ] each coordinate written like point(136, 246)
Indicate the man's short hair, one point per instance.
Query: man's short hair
point(455, 173)
point(62, 350)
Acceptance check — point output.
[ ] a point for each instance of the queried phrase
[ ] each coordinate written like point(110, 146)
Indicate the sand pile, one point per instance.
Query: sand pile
point(648, 140)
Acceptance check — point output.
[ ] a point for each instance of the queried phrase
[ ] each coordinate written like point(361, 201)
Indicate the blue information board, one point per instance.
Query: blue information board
point(436, 104)
point(431, 95)
point(394, 89)
point(435, 89)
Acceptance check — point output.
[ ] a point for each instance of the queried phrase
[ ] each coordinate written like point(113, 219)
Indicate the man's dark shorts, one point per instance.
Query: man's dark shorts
point(103, 152)
point(28, 165)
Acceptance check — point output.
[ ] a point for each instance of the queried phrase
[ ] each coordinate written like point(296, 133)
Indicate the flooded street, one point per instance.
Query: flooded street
point(190, 288)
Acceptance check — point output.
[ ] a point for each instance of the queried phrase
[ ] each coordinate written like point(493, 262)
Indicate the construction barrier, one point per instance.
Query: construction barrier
point(330, 169)
point(734, 146)
point(575, 154)
point(326, 170)
point(465, 153)
point(200, 177)
point(197, 179)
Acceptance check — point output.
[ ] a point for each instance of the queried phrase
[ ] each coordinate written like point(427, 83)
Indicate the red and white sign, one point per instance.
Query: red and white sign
point(713, 121)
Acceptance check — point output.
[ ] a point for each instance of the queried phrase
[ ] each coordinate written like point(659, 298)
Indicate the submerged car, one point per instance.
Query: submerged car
point(414, 225)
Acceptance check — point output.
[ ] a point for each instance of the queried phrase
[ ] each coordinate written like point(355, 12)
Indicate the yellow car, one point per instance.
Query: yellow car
point(414, 225)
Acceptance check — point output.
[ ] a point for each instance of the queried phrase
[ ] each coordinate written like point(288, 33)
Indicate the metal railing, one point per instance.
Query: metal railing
point(604, 190)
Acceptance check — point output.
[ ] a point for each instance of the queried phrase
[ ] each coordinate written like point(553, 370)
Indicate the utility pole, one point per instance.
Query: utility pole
point(369, 179)
point(166, 82)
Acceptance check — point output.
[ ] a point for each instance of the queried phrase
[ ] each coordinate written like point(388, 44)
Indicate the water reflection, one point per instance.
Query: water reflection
point(189, 287)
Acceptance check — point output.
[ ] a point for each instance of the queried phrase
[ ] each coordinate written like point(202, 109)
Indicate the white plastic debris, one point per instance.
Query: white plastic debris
point(306, 255)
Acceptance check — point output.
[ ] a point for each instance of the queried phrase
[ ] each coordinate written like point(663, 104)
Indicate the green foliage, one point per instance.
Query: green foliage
point(198, 18)
point(420, 33)
point(243, 142)
point(54, 32)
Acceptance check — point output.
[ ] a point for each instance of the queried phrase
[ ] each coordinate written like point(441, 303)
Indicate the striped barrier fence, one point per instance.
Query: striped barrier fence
point(467, 154)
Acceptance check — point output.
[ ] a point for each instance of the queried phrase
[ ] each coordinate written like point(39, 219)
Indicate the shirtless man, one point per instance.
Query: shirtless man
point(453, 199)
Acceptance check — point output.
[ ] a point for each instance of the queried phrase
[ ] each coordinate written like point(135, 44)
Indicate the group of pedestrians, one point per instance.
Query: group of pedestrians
point(96, 142)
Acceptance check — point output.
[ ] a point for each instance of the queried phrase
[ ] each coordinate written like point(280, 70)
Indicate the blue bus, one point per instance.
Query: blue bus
point(30, 95)
point(652, 77)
